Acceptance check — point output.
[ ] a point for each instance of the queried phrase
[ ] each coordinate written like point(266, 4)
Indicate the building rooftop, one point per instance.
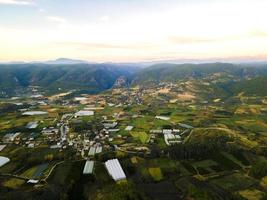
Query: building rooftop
point(129, 128)
point(3, 160)
point(115, 170)
point(88, 167)
point(82, 113)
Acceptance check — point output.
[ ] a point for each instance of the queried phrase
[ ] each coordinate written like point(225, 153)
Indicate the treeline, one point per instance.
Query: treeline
point(202, 150)
point(8, 107)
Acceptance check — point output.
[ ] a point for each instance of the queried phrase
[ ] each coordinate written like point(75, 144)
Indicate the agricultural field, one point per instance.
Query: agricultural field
point(221, 151)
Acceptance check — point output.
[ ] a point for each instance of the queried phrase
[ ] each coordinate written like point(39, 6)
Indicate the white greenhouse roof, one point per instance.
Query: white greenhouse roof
point(115, 170)
point(98, 149)
point(88, 167)
point(3, 160)
point(92, 151)
point(84, 113)
point(2, 147)
point(31, 113)
point(163, 118)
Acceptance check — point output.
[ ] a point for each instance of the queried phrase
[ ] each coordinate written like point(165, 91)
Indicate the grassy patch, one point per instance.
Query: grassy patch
point(231, 157)
point(134, 160)
point(234, 182)
point(263, 182)
point(205, 166)
point(155, 173)
point(252, 194)
point(142, 136)
point(14, 183)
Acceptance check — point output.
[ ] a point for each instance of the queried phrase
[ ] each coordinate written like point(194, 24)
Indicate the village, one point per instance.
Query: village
point(97, 124)
point(157, 139)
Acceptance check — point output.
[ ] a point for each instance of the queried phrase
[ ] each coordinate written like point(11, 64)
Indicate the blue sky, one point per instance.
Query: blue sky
point(133, 30)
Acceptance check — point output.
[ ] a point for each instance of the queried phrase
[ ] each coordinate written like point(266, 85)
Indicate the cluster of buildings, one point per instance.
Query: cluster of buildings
point(112, 166)
point(171, 136)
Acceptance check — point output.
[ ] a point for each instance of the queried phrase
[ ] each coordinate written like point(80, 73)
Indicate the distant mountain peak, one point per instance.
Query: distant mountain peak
point(65, 61)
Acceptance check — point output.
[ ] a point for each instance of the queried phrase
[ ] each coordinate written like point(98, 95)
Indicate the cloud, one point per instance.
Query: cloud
point(189, 40)
point(16, 2)
point(56, 19)
point(258, 33)
point(108, 46)
point(104, 18)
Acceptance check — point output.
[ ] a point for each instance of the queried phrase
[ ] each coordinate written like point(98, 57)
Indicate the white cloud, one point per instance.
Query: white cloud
point(56, 19)
point(16, 2)
point(104, 18)
point(193, 31)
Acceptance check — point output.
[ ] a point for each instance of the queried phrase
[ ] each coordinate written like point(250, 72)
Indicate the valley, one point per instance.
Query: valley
point(178, 132)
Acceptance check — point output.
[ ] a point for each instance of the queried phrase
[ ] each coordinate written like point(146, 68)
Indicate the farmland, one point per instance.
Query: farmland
point(220, 153)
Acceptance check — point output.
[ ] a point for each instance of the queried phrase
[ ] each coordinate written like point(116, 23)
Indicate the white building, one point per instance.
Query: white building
point(2, 147)
point(98, 149)
point(32, 113)
point(155, 131)
point(171, 139)
point(10, 137)
point(3, 160)
point(167, 131)
point(83, 113)
point(115, 170)
point(163, 118)
point(32, 125)
point(92, 151)
point(129, 128)
point(110, 125)
point(88, 167)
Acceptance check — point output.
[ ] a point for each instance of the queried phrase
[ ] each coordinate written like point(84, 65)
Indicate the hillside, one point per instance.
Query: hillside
point(228, 79)
point(90, 77)
point(172, 72)
point(222, 78)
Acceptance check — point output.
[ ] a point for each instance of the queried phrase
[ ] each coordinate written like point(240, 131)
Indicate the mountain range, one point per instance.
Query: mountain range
point(68, 74)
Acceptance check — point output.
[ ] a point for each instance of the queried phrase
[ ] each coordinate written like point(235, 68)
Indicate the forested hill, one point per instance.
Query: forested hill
point(172, 72)
point(249, 78)
point(91, 77)
point(232, 79)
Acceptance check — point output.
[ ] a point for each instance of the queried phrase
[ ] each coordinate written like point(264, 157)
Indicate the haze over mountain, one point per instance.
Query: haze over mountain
point(64, 61)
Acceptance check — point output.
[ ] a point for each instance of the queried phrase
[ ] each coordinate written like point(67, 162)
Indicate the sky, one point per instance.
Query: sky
point(132, 30)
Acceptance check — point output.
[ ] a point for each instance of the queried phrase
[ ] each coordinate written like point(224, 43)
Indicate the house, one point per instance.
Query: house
point(115, 170)
point(32, 125)
point(10, 137)
point(129, 128)
point(175, 130)
point(171, 139)
point(49, 131)
point(31, 145)
point(110, 125)
point(156, 131)
point(167, 131)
